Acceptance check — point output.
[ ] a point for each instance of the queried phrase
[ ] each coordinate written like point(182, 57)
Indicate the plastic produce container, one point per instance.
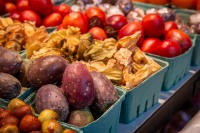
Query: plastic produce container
point(64, 125)
point(68, 126)
point(69, 2)
point(185, 13)
point(146, 6)
point(143, 96)
point(178, 67)
point(22, 96)
point(107, 123)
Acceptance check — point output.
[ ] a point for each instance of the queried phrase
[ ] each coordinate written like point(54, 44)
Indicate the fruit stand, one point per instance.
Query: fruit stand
point(79, 66)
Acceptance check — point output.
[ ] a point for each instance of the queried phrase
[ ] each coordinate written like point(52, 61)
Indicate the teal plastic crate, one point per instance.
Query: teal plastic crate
point(146, 6)
point(23, 54)
point(51, 29)
point(144, 96)
point(184, 13)
point(68, 126)
point(22, 96)
point(68, 2)
point(107, 123)
point(178, 67)
point(64, 125)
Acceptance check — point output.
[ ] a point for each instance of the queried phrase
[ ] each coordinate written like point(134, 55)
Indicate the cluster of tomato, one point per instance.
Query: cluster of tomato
point(157, 37)
point(189, 4)
point(42, 12)
point(163, 38)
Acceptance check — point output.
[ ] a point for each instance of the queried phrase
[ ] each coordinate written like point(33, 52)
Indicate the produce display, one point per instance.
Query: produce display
point(81, 89)
point(20, 117)
point(104, 56)
point(14, 34)
point(43, 12)
point(152, 23)
point(76, 70)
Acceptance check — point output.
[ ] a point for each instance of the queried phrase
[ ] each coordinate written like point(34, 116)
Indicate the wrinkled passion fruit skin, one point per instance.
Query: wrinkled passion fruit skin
point(10, 87)
point(46, 70)
point(51, 97)
point(10, 61)
point(78, 85)
point(105, 93)
point(22, 74)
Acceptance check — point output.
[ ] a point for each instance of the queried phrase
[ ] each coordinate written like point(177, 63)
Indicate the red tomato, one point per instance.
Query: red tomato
point(31, 16)
point(60, 27)
point(2, 6)
point(23, 5)
point(10, 7)
point(15, 15)
point(130, 29)
point(153, 25)
point(149, 45)
point(95, 11)
point(63, 9)
point(42, 7)
point(116, 21)
point(179, 37)
point(168, 48)
point(98, 33)
point(96, 17)
point(53, 19)
point(169, 25)
point(76, 19)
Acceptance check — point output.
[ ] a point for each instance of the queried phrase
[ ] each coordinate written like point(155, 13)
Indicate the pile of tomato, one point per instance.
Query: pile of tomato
point(157, 37)
point(163, 38)
point(42, 12)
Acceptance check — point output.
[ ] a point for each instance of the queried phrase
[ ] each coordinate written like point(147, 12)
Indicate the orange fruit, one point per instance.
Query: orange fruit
point(190, 4)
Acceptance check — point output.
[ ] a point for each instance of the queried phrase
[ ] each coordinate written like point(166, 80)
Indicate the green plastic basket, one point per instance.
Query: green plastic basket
point(144, 96)
point(68, 126)
point(23, 54)
point(178, 67)
point(22, 96)
point(69, 2)
point(64, 125)
point(107, 123)
point(184, 13)
point(146, 6)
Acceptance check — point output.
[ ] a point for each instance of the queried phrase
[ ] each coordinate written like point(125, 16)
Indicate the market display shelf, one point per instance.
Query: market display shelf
point(169, 102)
